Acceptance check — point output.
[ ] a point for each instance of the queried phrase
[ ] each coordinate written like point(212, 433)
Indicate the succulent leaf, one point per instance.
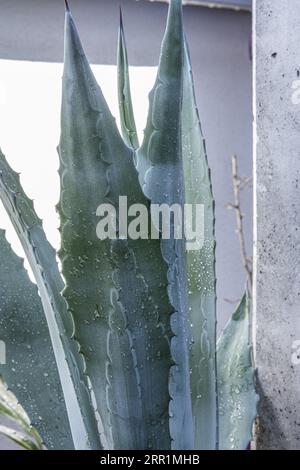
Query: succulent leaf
point(42, 259)
point(200, 271)
point(30, 370)
point(25, 434)
point(236, 381)
point(115, 289)
point(161, 173)
point(128, 125)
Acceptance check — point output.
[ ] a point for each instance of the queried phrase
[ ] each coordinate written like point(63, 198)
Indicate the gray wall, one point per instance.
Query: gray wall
point(33, 30)
point(277, 216)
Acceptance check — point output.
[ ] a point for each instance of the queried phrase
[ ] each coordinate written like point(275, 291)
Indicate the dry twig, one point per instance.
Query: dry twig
point(238, 185)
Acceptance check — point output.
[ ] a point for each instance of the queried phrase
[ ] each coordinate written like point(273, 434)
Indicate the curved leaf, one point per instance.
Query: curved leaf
point(236, 380)
point(160, 167)
point(200, 271)
point(42, 259)
point(115, 289)
point(30, 370)
point(19, 438)
point(125, 103)
point(27, 436)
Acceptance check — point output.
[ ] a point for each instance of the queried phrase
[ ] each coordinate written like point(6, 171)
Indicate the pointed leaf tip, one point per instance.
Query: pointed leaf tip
point(67, 5)
point(121, 16)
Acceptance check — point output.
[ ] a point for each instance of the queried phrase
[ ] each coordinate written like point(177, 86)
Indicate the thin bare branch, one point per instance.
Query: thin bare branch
point(238, 185)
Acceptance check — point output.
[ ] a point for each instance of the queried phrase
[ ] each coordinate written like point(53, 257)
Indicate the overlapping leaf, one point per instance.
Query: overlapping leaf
point(173, 169)
point(200, 269)
point(236, 380)
point(42, 260)
point(129, 131)
point(115, 289)
point(30, 370)
point(23, 433)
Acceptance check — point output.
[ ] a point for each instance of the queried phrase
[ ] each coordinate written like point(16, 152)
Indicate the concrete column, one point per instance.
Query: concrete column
point(277, 218)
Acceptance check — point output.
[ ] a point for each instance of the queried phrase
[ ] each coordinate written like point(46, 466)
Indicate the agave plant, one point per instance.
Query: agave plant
point(118, 350)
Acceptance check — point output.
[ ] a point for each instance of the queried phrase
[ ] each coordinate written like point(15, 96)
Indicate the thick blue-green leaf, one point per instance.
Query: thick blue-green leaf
point(200, 271)
point(42, 260)
point(161, 173)
point(236, 381)
point(22, 431)
point(30, 370)
point(115, 289)
point(125, 103)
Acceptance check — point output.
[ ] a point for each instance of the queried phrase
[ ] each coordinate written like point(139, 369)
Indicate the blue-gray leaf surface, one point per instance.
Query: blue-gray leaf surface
point(200, 270)
point(236, 381)
point(200, 263)
point(42, 259)
point(128, 126)
point(173, 168)
point(30, 370)
point(116, 290)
